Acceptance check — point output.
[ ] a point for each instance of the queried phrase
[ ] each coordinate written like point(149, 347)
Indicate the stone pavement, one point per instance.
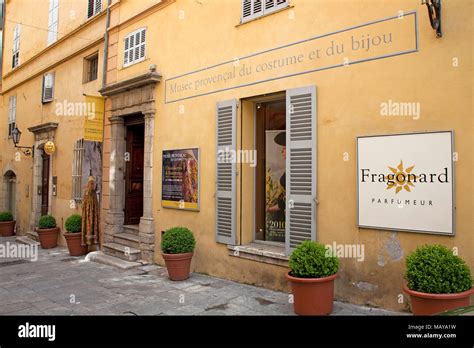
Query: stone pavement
point(58, 284)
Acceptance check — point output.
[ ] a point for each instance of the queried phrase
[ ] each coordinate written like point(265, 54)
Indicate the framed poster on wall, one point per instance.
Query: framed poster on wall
point(180, 179)
point(405, 182)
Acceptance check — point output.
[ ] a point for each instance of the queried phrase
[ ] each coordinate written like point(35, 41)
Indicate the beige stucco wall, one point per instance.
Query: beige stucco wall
point(348, 106)
point(65, 59)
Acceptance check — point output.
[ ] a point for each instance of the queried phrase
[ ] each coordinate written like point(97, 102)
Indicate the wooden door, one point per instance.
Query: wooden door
point(134, 174)
point(45, 184)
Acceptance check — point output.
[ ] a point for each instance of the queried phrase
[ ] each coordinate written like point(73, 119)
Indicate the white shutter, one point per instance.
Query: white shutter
point(251, 9)
point(53, 21)
point(98, 6)
point(226, 172)
point(134, 47)
point(16, 46)
point(300, 166)
point(273, 5)
point(48, 87)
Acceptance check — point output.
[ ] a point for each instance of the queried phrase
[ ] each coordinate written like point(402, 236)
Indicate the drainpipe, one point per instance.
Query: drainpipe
point(106, 45)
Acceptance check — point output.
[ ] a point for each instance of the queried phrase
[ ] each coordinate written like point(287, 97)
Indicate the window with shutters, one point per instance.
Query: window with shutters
point(53, 21)
point(16, 46)
point(48, 88)
point(134, 47)
point(91, 65)
point(77, 159)
point(252, 9)
point(11, 114)
point(93, 7)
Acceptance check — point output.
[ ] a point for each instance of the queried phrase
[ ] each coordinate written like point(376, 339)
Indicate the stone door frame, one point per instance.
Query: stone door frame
point(129, 98)
point(42, 133)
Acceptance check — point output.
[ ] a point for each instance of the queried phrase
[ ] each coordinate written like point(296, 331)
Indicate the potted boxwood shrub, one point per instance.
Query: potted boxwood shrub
point(7, 224)
point(48, 232)
point(73, 235)
point(312, 273)
point(437, 280)
point(177, 248)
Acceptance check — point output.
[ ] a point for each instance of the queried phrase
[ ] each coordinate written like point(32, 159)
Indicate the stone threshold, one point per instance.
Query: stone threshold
point(264, 253)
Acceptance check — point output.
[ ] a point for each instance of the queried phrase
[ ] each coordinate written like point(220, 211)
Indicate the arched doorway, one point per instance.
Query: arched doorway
point(9, 184)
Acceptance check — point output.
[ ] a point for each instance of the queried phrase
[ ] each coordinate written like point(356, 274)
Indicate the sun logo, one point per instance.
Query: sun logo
point(401, 178)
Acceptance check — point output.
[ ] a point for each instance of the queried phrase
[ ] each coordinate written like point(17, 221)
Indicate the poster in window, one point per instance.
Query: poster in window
point(180, 179)
point(275, 153)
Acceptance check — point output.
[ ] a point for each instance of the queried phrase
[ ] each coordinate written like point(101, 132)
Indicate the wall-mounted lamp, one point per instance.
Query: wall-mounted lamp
point(434, 12)
point(27, 150)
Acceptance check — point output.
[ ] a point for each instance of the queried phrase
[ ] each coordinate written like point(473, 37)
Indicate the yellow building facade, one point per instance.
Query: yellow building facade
point(289, 90)
point(51, 61)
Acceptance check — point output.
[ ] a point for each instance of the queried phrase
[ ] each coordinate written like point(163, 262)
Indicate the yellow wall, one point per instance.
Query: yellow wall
point(348, 106)
point(65, 59)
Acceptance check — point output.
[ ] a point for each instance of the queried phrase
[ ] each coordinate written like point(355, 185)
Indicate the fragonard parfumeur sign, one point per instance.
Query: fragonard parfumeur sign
point(406, 182)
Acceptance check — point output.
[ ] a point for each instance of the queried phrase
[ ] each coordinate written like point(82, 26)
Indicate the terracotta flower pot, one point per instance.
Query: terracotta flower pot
point(7, 228)
point(312, 296)
point(73, 241)
point(48, 237)
point(423, 303)
point(178, 265)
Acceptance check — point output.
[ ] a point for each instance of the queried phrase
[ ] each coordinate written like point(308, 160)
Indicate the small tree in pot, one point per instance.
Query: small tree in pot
point(437, 280)
point(48, 232)
point(73, 235)
point(7, 224)
point(312, 276)
point(177, 248)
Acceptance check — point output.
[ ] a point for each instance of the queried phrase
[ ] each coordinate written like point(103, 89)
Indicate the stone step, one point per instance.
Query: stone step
point(120, 251)
point(127, 239)
point(26, 240)
point(100, 257)
point(131, 229)
point(33, 235)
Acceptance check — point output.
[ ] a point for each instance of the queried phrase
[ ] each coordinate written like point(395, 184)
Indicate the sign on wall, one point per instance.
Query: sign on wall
point(94, 120)
point(180, 179)
point(366, 42)
point(406, 182)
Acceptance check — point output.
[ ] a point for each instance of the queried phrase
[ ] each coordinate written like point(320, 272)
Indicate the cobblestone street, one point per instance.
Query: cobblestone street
point(57, 284)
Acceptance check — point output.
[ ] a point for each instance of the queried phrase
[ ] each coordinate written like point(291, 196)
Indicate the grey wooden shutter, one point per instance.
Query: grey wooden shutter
point(48, 87)
point(226, 172)
point(300, 166)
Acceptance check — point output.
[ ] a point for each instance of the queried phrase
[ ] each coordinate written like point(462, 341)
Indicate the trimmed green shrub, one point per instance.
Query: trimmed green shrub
point(178, 240)
point(46, 221)
point(434, 269)
point(6, 216)
point(311, 260)
point(73, 223)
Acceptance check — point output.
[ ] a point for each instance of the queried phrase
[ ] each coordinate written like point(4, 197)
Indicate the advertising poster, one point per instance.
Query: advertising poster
point(94, 122)
point(405, 182)
point(275, 185)
point(180, 179)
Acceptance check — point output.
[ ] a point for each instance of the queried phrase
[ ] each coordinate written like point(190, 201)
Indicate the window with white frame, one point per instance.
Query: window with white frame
point(134, 47)
point(252, 9)
point(94, 7)
point(77, 159)
point(11, 114)
point(16, 46)
point(48, 88)
point(53, 21)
